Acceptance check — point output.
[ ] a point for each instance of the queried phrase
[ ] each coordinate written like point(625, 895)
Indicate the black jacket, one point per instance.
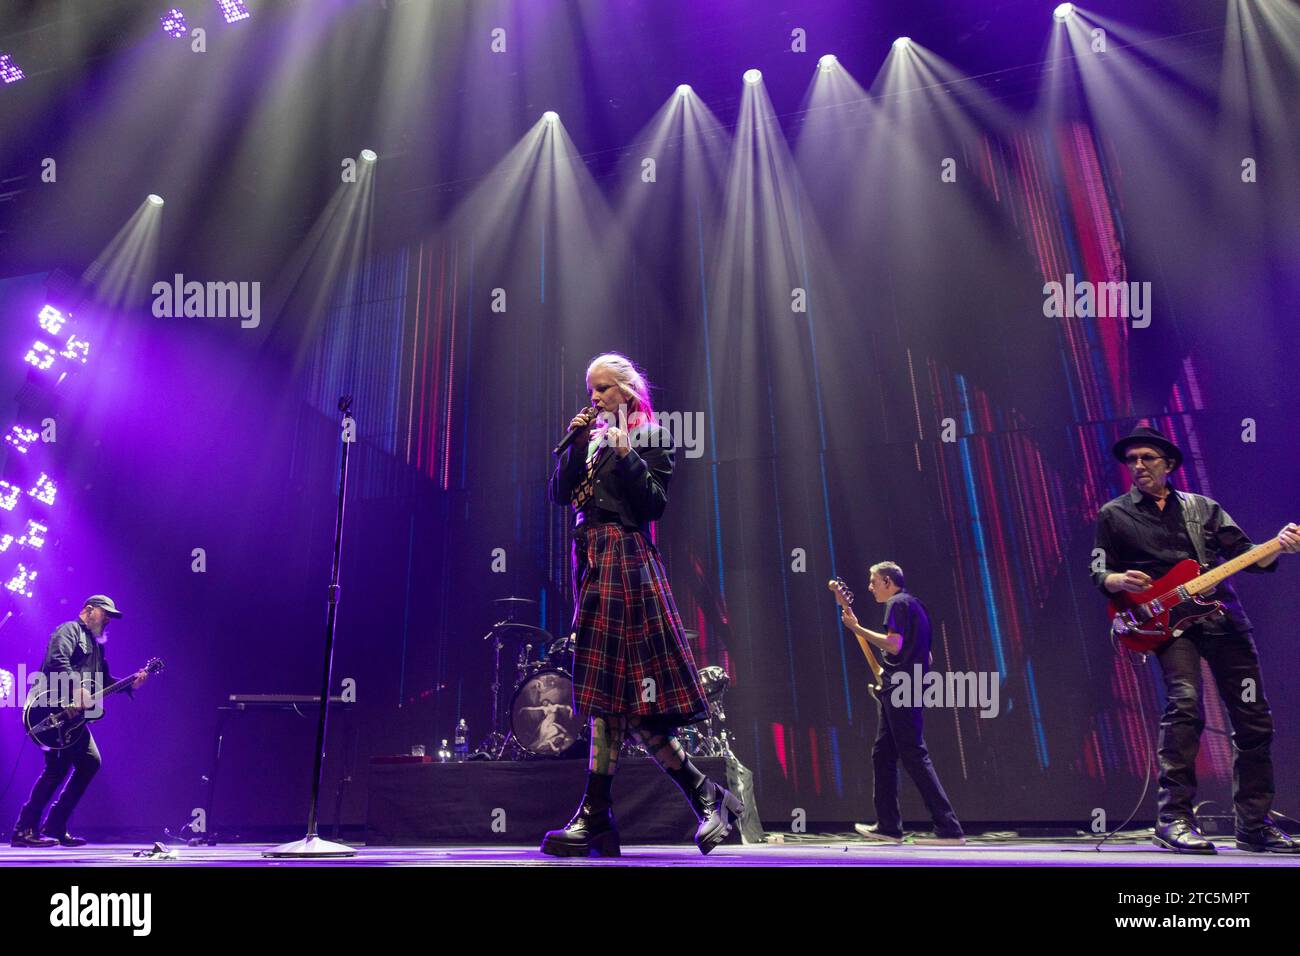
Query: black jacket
point(74, 650)
point(635, 487)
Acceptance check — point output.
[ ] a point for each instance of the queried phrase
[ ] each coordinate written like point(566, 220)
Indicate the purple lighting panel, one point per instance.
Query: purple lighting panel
point(34, 536)
point(233, 10)
point(10, 72)
point(44, 489)
point(21, 438)
point(52, 320)
point(76, 348)
point(173, 23)
point(8, 495)
point(40, 355)
point(22, 580)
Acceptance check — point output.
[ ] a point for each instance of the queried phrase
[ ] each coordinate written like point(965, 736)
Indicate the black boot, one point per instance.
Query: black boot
point(715, 807)
point(718, 810)
point(591, 832)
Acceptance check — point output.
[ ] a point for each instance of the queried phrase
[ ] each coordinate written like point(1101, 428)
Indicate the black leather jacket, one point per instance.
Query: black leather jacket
point(635, 487)
point(73, 650)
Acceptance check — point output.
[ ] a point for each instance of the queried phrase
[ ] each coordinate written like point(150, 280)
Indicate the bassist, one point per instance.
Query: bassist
point(1140, 536)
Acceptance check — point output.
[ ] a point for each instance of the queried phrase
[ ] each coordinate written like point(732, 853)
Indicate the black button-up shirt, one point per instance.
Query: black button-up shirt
point(1136, 534)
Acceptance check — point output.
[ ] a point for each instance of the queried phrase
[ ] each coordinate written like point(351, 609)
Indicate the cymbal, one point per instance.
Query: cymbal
point(514, 600)
point(513, 630)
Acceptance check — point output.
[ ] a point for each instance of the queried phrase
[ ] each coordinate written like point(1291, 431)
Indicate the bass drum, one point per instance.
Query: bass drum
point(542, 717)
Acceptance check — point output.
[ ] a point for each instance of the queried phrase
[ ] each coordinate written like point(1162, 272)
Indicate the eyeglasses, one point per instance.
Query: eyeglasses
point(1132, 460)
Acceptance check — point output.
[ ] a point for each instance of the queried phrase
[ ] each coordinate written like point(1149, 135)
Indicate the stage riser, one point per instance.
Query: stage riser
point(508, 802)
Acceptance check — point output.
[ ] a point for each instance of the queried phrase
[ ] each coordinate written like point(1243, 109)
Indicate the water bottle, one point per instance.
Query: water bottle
point(444, 755)
point(462, 738)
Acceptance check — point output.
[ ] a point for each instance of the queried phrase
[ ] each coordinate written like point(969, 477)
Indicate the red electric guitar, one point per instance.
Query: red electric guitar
point(1144, 620)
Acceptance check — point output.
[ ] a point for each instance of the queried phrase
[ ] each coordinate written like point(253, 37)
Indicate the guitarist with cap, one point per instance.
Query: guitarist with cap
point(1141, 535)
point(74, 655)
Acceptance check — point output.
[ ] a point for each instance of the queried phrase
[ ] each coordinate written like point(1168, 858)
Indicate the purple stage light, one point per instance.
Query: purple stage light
point(52, 319)
point(173, 23)
point(233, 10)
point(5, 541)
point(10, 71)
point(77, 349)
point(40, 355)
point(34, 536)
point(22, 580)
point(21, 438)
point(44, 489)
point(9, 495)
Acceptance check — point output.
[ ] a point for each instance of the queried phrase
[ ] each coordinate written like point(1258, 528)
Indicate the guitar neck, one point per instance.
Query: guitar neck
point(118, 686)
point(1210, 579)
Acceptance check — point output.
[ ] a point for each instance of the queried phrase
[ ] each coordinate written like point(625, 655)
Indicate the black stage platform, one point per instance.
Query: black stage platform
point(500, 803)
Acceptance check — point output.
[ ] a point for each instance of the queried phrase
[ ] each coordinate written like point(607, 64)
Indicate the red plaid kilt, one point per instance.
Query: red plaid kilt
point(628, 631)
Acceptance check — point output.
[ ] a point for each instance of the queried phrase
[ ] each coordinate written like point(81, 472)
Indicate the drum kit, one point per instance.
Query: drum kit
point(536, 719)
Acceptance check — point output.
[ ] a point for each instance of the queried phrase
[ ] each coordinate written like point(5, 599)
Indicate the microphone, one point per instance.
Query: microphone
point(590, 413)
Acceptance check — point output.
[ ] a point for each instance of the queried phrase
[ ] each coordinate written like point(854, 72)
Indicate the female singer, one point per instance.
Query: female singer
point(633, 674)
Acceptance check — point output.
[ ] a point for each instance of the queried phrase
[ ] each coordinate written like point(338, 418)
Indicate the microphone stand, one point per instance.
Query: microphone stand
point(312, 845)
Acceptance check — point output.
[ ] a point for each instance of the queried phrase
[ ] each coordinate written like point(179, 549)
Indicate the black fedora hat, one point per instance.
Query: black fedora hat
point(1151, 437)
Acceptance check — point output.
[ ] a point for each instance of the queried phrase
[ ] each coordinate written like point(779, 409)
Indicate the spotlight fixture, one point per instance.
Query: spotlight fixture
point(684, 90)
point(902, 43)
point(752, 76)
point(1064, 11)
point(155, 199)
point(550, 116)
point(369, 155)
point(828, 62)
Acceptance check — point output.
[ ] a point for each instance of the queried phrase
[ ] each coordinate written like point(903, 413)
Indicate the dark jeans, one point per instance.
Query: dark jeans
point(900, 738)
point(1233, 662)
point(82, 758)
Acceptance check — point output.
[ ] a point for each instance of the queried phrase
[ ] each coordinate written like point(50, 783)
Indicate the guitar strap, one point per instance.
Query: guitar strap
point(1194, 520)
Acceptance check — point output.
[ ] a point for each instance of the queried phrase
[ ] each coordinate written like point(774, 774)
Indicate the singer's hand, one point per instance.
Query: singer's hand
point(617, 439)
point(583, 418)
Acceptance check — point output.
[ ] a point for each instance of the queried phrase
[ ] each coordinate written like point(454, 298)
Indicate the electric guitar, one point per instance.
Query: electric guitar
point(844, 598)
point(1145, 620)
point(54, 724)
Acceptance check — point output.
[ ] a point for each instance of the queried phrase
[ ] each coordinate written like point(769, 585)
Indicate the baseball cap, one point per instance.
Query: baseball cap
point(106, 602)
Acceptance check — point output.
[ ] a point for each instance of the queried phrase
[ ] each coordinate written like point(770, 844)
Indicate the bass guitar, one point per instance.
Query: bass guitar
point(844, 598)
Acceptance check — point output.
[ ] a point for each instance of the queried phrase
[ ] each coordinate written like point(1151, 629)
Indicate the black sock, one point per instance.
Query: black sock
point(687, 776)
point(599, 786)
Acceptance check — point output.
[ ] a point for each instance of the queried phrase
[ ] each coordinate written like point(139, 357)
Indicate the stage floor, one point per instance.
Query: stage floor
point(803, 853)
